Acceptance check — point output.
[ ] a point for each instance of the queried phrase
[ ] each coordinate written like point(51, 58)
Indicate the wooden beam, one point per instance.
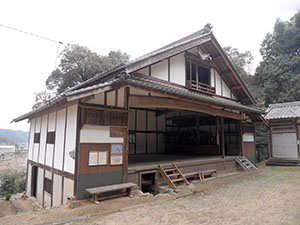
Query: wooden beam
point(226, 72)
point(222, 137)
point(160, 102)
point(236, 87)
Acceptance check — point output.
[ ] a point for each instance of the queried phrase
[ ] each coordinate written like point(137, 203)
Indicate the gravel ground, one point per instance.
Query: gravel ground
point(268, 196)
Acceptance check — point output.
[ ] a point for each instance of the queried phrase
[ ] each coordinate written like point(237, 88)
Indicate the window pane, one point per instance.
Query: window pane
point(187, 70)
point(203, 75)
point(193, 71)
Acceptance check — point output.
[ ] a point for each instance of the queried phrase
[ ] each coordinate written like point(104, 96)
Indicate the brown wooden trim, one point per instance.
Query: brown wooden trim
point(241, 139)
point(283, 131)
point(195, 59)
point(101, 107)
point(168, 53)
point(54, 147)
point(65, 134)
point(26, 182)
point(43, 198)
point(154, 102)
point(116, 97)
point(52, 170)
point(149, 71)
point(222, 137)
point(105, 98)
point(169, 70)
point(62, 189)
point(38, 156)
point(77, 149)
point(269, 143)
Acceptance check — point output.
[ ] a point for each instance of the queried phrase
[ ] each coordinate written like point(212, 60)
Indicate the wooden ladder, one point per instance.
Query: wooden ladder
point(172, 176)
point(245, 163)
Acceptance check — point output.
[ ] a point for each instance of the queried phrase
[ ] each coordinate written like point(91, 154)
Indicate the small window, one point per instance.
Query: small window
point(37, 138)
point(48, 185)
point(50, 137)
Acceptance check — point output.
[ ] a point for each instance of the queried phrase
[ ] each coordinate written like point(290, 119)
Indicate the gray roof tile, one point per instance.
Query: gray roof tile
point(283, 110)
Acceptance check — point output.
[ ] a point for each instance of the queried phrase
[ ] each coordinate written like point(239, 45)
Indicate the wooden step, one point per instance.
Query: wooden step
point(177, 180)
point(170, 170)
point(173, 174)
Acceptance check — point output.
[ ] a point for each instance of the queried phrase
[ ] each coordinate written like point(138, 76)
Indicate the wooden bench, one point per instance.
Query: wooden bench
point(95, 192)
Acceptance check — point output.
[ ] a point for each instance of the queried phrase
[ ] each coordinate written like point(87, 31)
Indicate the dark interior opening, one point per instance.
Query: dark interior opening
point(147, 182)
point(34, 175)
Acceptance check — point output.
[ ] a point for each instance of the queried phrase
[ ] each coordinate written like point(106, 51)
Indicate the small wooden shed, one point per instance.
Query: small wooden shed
point(284, 132)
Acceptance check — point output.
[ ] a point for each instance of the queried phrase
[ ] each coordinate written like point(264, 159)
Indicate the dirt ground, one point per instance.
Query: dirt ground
point(268, 196)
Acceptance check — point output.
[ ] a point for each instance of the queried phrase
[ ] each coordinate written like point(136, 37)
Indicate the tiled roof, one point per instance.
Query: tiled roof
point(283, 110)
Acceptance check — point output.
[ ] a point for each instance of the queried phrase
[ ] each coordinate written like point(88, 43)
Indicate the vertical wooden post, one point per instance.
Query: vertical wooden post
point(269, 143)
point(222, 137)
point(241, 139)
point(126, 143)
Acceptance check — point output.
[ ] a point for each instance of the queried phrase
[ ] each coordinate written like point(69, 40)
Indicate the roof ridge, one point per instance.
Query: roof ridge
point(284, 104)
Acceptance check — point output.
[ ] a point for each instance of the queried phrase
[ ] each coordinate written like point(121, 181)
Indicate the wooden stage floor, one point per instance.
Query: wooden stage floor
point(148, 162)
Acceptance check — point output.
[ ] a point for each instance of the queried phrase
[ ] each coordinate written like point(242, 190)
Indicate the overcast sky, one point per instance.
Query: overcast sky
point(135, 27)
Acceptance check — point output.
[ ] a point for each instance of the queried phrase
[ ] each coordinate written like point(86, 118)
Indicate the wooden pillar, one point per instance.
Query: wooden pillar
point(126, 144)
point(269, 143)
point(241, 139)
point(222, 137)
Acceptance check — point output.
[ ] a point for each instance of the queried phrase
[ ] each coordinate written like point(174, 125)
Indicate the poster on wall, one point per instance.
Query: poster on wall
point(116, 154)
point(93, 158)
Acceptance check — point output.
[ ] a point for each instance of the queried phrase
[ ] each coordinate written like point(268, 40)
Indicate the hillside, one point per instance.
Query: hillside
point(13, 136)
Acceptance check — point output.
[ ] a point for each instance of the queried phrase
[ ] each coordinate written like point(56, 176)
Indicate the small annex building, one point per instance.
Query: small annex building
point(284, 132)
point(182, 103)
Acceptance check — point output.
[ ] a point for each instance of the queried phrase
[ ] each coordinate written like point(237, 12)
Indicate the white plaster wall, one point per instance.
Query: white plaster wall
point(97, 134)
point(47, 199)
point(144, 71)
point(48, 175)
point(38, 125)
point(69, 163)
point(177, 69)
point(43, 139)
point(31, 136)
point(59, 139)
point(111, 98)
point(57, 190)
point(137, 91)
point(160, 70)
point(51, 122)
point(226, 90)
point(212, 77)
point(68, 189)
point(49, 154)
point(218, 83)
point(248, 137)
point(28, 182)
point(98, 99)
point(121, 95)
point(36, 147)
point(40, 185)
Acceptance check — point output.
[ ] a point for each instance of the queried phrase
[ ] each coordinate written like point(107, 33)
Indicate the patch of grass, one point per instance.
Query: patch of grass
point(285, 169)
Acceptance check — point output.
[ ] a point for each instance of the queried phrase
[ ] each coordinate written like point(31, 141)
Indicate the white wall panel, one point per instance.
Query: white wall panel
point(121, 97)
point(31, 137)
point(59, 139)
point(226, 90)
point(98, 99)
point(68, 189)
point(144, 71)
point(57, 190)
point(111, 97)
point(69, 163)
point(28, 182)
point(212, 77)
point(43, 139)
point(51, 122)
point(38, 125)
point(218, 83)
point(177, 69)
point(40, 186)
point(35, 153)
point(49, 154)
point(160, 70)
point(97, 134)
point(248, 137)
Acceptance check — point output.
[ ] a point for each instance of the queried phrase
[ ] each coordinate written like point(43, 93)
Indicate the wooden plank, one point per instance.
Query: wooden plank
point(110, 188)
point(117, 132)
point(160, 102)
point(222, 137)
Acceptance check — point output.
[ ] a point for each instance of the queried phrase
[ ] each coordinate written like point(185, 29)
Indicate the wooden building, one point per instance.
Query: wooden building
point(182, 103)
point(284, 132)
